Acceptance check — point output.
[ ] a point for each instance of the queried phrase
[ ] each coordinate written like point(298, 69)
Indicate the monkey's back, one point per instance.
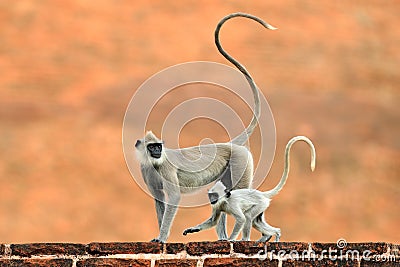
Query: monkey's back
point(247, 198)
point(204, 163)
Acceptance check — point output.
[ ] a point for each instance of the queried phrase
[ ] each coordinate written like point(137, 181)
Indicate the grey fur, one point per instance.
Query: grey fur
point(180, 171)
point(248, 205)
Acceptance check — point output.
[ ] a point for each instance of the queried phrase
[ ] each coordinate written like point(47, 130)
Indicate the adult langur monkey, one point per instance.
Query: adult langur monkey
point(171, 172)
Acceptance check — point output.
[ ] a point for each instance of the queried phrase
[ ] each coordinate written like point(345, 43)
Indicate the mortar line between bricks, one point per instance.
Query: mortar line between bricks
point(146, 256)
point(388, 247)
point(152, 257)
point(51, 257)
point(7, 251)
point(74, 261)
point(181, 255)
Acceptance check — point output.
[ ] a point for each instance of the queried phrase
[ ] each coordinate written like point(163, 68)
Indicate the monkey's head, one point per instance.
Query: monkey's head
point(150, 149)
point(218, 191)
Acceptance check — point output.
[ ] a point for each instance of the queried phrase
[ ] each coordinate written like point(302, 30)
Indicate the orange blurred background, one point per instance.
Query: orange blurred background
point(69, 69)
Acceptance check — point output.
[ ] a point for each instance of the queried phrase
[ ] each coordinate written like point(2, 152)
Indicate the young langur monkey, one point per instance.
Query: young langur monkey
point(171, 172)
point(248, 205)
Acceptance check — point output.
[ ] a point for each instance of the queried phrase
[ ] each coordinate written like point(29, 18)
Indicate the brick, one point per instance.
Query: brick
point(93, 262)
point(319, 263)
point(27, 250)
point(176, 262)
point(36, 263)
point(249, 247)
point(239, 262)
point(125, 248)
point(287, 247)
point(350, 249)
point(201, 248)
point(174, 248)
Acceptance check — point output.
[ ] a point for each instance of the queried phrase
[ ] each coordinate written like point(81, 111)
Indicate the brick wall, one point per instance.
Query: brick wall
point(199, 254)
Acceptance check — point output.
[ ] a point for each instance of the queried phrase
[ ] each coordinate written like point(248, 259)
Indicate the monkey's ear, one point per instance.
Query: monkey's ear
point(138, 142)
point(226, 178)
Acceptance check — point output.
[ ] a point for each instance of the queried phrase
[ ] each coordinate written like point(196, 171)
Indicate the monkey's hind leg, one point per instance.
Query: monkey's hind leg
point(221, 227)
point(246, 230)
point(252, 215)
point(265, 229)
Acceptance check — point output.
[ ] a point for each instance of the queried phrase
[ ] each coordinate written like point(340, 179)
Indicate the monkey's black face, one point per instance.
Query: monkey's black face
point(155, 150)
point(213, 197)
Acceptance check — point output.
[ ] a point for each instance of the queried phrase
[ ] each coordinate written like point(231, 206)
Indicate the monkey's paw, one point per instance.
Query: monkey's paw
point(157, 240)
point(191, 230)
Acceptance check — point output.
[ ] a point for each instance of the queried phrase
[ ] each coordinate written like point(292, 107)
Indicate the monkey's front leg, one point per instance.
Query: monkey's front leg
point(169, 215)
point(240, 221)
point(159, 199)
point(160, 210)
point(192, 230)
point(154, 183)
point(212, 221)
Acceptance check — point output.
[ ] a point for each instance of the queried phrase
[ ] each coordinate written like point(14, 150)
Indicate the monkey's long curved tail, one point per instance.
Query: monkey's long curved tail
point(242, 138)
point(285, 174)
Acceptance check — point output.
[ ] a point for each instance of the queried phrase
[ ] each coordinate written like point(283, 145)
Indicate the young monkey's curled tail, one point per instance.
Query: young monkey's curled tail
point(286, 168)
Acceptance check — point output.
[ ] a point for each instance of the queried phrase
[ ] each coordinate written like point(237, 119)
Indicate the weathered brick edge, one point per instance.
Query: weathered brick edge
point(199, 254)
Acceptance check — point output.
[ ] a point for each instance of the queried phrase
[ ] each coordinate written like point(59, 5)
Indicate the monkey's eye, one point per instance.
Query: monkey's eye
point(150, 147)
